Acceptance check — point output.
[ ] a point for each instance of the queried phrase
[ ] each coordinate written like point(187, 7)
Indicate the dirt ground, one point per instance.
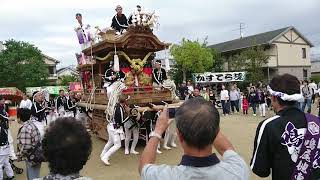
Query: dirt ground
point(240, 130)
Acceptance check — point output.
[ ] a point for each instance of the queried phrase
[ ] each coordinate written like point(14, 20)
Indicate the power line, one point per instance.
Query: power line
point(240, 29)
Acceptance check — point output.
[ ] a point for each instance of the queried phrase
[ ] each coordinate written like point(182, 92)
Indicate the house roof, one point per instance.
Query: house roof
point(50, 58)
point(67, 68)
point(315, 59)
point(258, 39)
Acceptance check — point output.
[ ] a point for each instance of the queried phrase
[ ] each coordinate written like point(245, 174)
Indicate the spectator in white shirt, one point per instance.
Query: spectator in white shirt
point(25, 103)
point(224, 98)
point(234, 99)
point(307, 94)
point(198, 132)
point(190, 87)
point(313, 87)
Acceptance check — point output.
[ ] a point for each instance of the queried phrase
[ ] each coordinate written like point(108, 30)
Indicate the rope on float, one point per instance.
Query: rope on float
point(89, 105)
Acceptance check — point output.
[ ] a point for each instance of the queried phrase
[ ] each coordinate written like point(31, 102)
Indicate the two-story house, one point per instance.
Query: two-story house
point(51, 63)
point(67, 71)
point(287, 48)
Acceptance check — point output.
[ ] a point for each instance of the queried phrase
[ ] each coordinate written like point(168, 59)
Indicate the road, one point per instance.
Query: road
point(240, 129)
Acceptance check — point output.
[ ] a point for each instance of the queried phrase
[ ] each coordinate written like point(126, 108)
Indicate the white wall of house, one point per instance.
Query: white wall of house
point(52, 69)
point(291, 55)
point(290, 50)
point(272, 53)
point(49, 62)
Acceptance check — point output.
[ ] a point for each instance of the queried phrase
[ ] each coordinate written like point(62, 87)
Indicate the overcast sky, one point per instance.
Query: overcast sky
point(49, 24)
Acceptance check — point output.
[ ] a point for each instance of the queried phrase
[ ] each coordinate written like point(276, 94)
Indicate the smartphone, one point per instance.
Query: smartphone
point(172, 112)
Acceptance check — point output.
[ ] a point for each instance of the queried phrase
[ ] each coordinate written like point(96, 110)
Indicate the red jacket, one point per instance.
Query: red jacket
point(245, 104)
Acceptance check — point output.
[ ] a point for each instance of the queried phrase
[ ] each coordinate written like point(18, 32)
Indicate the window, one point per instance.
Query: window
point(305, 74)
point(52, 70)
point(304, 53)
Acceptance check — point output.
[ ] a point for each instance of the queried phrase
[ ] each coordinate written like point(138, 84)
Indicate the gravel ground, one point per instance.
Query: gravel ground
point(240, 130)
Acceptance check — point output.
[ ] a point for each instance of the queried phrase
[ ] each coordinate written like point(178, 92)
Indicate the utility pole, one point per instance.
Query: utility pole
point(240, 29)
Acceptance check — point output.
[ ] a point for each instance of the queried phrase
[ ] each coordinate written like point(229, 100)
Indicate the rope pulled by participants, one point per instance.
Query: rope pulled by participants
point(119, 86)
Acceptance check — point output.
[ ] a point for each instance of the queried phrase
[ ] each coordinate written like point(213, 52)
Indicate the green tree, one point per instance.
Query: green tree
point(315, 78)
point(218, 60)
point(67, 79)
point(251, 60)
point(177, 74)
point(22, 65)
point(192, 57)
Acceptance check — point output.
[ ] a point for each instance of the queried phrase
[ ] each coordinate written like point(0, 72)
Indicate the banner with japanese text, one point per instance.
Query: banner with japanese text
point(219, 77)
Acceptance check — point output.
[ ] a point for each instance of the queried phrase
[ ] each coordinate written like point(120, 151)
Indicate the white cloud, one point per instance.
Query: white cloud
point(61, 41)
point(49, 23)
point(66, 4)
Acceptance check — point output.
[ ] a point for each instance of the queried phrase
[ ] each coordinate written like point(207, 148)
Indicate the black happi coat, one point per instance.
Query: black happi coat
point(4, 126)
point(271, 153)
point(159, 76)
point(119, 22)
point(71, 106)
point(51, 104)
point(38, 111)
point(119, 115)
point(61, 102)
point(109, 73)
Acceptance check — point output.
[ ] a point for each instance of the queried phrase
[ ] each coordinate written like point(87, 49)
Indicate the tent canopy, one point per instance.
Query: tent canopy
point(11, 93)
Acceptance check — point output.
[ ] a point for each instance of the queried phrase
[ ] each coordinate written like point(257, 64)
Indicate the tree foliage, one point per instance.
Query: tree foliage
point(218, 60)
point(192, 57)
point(177, 74)
point(22, 65)
point(251, 60)
point(67, 79)
point(315, 78)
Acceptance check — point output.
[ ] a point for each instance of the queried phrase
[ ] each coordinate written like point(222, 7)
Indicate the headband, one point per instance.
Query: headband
point(35, 94)
point(284, 96)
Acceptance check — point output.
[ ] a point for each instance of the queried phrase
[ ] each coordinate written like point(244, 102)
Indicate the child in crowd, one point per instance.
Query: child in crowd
point(241, 99)
point(268, 101)
point(245, 105)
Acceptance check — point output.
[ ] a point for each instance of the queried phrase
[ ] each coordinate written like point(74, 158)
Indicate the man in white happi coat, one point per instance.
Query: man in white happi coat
point(83, 32)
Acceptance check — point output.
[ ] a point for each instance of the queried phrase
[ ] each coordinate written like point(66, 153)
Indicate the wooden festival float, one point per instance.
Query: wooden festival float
point(135, 50)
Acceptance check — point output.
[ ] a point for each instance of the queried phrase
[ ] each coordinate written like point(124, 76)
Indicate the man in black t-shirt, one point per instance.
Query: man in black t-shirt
point(279, 139)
